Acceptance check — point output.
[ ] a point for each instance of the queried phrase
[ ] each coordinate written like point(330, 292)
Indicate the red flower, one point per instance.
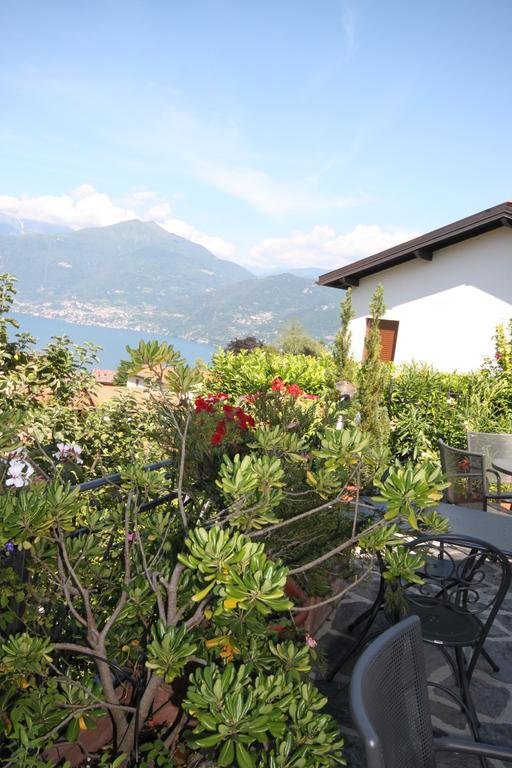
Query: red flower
point(203, 405)
point(277, 385)
point(219, 432)
point(295, 390)
point(245, 420)
point(216, 398)
point(229, 410)
point(251, 398)
point(311, 397)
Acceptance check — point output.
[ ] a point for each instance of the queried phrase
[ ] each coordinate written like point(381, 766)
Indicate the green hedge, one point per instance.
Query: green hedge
point(253, 371)
point(426, 405)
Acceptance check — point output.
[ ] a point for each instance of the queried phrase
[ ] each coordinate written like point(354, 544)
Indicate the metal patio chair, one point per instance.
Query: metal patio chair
point(492, 445)
point(465, 581)
point(390, 707)
point(467, 473)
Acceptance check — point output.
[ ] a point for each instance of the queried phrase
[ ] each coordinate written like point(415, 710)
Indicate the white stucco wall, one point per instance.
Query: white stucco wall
point(448, 308)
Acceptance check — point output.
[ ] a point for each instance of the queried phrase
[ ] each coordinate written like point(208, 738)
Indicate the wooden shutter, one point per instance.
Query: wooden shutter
point(388, 333)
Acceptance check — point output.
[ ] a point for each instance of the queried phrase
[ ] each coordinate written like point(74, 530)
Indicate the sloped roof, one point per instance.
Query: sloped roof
point(104, 375)
point(421, 247)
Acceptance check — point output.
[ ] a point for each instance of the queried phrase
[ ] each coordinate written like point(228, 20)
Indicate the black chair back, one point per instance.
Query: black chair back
point(467, 575)
point(389, 700)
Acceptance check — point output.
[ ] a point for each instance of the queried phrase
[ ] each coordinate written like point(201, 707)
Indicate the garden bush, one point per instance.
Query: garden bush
point(426, 405)
point(157, 604)
point(253, 371)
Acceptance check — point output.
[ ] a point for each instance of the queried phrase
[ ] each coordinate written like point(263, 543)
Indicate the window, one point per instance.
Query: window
point(388, 333)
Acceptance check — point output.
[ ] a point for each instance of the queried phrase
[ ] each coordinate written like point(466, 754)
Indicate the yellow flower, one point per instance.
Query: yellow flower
point(228, 649)
point(228, 652)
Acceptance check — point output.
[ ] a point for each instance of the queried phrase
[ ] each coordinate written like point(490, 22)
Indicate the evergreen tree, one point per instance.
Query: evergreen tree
point(373, 380)
point(246, 343)
point(346, 368)
point(295, 340)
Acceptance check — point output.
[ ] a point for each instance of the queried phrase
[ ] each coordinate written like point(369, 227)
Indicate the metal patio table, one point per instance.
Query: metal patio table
point(492, 527)
point(502, 464)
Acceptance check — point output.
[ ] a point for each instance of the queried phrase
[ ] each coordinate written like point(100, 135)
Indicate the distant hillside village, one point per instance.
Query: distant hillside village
point(137, 275)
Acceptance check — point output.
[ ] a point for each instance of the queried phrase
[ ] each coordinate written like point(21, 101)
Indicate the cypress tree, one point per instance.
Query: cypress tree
point(346, 368)
point(373, 380)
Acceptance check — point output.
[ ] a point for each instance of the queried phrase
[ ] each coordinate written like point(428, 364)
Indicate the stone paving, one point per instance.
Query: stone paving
point(492, 692)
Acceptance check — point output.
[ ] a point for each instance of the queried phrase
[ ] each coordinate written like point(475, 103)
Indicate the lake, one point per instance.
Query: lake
point(112, 340)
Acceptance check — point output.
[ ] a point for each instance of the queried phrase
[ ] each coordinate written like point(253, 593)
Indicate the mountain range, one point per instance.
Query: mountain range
point(137, 275)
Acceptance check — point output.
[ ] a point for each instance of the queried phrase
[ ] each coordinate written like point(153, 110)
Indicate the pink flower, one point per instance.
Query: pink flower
point(68, 452)
point(310, 641)
point(19, 473)
point(251, 398)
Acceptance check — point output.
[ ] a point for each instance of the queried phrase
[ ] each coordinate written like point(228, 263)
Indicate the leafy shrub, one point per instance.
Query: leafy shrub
point(248, 342)
point(426, 405)
point(254, 371)
point(171, 582)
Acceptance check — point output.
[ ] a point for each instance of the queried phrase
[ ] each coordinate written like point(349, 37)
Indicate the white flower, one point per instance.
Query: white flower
point(19, 473)
point(68, 452)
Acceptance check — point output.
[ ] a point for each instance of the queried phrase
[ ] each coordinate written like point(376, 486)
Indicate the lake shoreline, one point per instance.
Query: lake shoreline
point(97, 324)
point(112, 339)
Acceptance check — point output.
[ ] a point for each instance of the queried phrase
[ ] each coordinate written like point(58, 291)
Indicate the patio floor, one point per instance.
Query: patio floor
point(492, 692)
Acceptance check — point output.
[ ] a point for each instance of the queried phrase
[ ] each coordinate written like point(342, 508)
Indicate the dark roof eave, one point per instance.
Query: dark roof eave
point(420, 247)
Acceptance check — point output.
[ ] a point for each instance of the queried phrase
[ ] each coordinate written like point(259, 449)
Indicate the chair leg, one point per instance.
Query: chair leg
point(490, 660)
point(453, 665)
point(464, 681)
point(358, 643)
point(359, 619)
point(371, 611)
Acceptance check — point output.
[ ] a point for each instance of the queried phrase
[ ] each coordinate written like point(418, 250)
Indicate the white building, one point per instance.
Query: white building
point(445, 292)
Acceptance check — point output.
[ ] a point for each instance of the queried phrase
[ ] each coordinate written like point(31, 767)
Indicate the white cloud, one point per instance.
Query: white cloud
point(137, 199)
point(158, 212)
point(218, 246)
point(84, 207)
point(269, 196)
point(322, 248)
point(349, 24)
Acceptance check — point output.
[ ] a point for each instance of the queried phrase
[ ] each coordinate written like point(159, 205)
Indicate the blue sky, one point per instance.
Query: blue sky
point(289, 132)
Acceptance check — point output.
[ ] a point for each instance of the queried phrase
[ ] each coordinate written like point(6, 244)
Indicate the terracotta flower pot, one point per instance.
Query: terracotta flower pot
point(92, 740)
point(311, 621)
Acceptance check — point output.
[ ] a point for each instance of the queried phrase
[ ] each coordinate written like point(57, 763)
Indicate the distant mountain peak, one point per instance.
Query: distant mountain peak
point(135, 274)
point(15, 226)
